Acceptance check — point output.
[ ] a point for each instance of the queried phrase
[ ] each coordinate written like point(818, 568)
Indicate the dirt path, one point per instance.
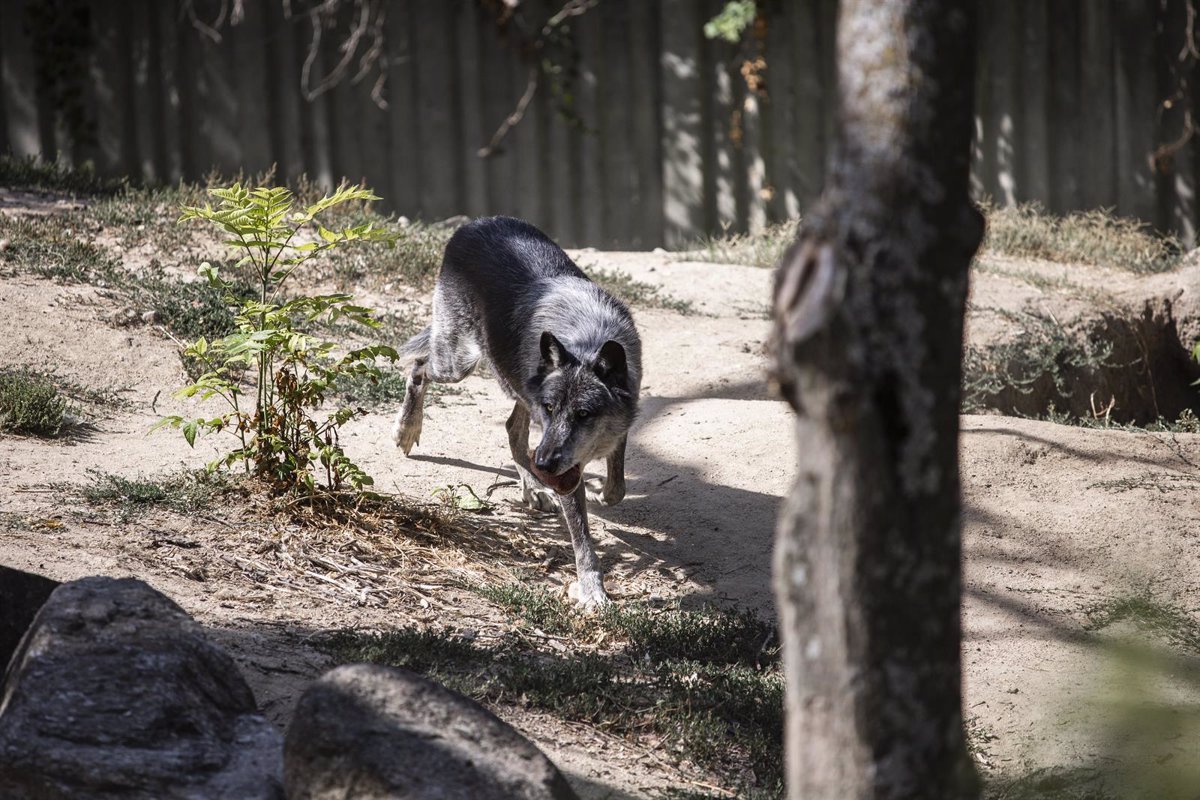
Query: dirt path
point(1057, 519)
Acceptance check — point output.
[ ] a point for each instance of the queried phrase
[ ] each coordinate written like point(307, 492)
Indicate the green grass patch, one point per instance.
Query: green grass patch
point(1099, 238)
point(31, 404)
point(637, 293)
point(706, 685)
point(185, 492)
point(1170, 623)
point(762, 249)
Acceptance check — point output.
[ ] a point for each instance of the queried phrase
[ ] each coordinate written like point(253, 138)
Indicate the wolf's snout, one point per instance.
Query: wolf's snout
point(548, 461)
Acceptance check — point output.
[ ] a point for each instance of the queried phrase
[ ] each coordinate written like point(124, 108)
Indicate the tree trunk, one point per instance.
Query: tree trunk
point(869, 308)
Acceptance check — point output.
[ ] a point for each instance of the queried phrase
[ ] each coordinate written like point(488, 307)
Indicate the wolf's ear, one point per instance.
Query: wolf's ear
point(554, 355)
point(611, 366)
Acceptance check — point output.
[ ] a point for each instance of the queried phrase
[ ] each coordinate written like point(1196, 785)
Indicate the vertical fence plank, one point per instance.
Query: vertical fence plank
point(166, 33)
point(1099, 144)
point(587, 152)
point(540, 162)
point(7, 73)
point(146, 96)
point(1003, 115)
point(1066, 153)
point(1176, 163)
point(471, 111)
point(755, 158)
point(495, 98)
point(617, 123)
point(19, 97)
point(244, 53)
point(782, 109)
point(721, 122)
point(681, 142)
point(105, 80)
point(403, 131)
point(645, 44)
point(282, 85)
point(1034, 130)
point(805, 127)
point(1136, 108)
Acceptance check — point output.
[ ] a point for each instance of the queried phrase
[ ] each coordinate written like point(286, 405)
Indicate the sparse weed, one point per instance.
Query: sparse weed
point(45, 247)
point(637, 293)
point(30, 403)
point(762, 249)
point(995, 376)
point(1149, 614)
point(413, 260)
point(184, 492)
point(535, 605)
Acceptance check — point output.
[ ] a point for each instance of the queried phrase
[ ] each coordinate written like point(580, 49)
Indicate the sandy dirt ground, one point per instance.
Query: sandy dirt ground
point(1057, 518)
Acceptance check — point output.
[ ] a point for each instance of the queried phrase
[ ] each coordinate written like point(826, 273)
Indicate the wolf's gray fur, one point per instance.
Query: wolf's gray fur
point(564, 349)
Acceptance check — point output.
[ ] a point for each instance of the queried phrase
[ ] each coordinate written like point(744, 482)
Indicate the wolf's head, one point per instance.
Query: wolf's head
point(584, 405)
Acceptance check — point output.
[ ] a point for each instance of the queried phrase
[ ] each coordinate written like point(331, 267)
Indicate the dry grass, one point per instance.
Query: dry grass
point(762, 249)
point(1098, 238)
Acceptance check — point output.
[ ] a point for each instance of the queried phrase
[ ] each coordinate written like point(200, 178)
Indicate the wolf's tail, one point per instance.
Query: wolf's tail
point(415, 348)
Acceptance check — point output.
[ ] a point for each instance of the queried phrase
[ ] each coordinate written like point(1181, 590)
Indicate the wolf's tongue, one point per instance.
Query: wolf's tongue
point(562, 484)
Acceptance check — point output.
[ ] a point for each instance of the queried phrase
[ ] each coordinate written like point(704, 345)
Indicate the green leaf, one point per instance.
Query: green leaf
point(189, 433)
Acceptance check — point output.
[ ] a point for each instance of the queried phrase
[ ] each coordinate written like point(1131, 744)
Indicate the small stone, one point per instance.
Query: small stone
point(150, 317)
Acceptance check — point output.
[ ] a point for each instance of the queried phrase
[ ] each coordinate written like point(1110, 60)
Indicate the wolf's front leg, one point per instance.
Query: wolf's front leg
point(612, 491)
point(588, 588)
point(407, 429)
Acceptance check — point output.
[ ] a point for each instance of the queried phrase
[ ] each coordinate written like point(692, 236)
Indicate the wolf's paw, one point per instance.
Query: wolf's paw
point(588, 593)
point(538, 498)
point(600, 493)
point(405, 434)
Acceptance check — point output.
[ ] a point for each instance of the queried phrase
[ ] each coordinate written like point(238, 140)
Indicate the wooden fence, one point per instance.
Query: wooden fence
point(672, 145)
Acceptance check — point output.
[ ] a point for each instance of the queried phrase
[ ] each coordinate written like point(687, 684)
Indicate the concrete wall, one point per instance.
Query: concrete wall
point(673, 146)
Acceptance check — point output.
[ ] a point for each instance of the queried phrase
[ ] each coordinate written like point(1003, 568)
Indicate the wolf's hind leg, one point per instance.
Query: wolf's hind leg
point(612, 490)
point(536, 496)
point(407, 429)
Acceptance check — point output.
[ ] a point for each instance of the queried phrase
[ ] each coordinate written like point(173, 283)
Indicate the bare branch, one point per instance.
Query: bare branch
point(518, 113)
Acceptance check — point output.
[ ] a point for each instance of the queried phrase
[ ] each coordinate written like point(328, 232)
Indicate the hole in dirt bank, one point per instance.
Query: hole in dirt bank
point(1124, 368)
point(22, 594)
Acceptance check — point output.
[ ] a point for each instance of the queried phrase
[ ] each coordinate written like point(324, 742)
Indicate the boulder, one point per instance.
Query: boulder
point(116, 693)
point(374, 733)
point(21, 595)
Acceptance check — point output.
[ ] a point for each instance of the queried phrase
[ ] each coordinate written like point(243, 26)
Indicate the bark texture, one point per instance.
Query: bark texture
point(869, 308)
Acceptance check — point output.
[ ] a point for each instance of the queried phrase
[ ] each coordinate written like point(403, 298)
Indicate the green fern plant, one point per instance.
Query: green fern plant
point(273, 374)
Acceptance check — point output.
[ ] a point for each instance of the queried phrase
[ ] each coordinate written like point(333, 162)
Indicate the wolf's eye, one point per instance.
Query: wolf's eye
point(581, 414)
point(549, 408)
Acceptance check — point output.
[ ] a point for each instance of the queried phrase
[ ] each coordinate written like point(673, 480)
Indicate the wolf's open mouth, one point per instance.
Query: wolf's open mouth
point(562, 484)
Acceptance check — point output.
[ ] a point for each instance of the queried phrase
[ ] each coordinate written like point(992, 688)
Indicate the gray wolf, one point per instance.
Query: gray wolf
point(561, 347)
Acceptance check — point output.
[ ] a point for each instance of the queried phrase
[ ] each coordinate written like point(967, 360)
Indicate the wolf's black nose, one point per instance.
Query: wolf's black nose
point(546, 463)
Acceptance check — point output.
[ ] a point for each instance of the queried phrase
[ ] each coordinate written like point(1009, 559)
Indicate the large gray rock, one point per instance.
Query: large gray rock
point(116, 693)
point(365, 732)
point(21, 595)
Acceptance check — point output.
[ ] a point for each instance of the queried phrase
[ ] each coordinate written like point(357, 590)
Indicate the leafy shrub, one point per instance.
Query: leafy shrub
point(30, 404)
point(271, 356)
